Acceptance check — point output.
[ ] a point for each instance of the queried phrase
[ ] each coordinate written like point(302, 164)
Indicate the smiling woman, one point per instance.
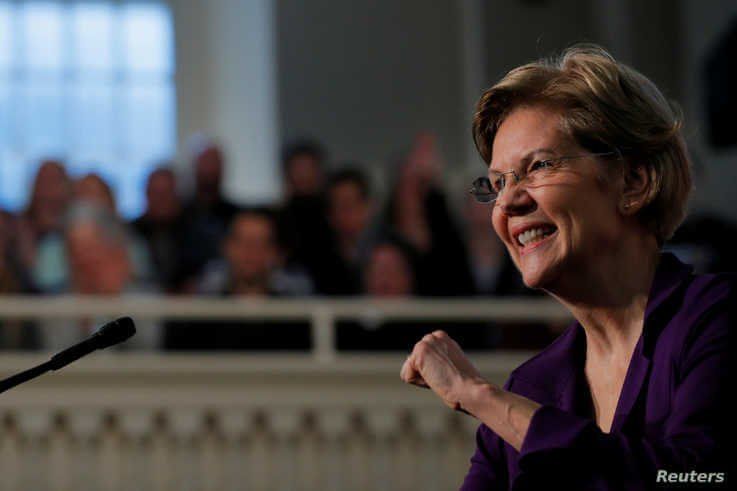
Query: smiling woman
point(588, 176)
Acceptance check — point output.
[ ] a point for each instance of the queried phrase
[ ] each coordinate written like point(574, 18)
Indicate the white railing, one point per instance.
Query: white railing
point(169, 422)
point(322, 313)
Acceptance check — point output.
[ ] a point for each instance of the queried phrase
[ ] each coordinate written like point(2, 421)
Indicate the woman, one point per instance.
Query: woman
point(588, 177)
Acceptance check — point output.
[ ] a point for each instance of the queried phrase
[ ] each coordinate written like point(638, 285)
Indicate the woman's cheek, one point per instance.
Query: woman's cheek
point(498, 223)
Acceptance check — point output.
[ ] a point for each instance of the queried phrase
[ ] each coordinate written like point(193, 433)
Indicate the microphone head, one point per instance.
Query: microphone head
point(114, 332)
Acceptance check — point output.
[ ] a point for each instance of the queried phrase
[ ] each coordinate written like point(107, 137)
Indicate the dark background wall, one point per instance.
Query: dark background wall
point(365, 76)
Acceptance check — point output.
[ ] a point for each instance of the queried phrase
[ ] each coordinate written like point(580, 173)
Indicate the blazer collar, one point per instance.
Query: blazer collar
point(560, 376)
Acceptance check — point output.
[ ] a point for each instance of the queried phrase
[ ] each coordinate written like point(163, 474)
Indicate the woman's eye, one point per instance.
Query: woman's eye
point(540, 164)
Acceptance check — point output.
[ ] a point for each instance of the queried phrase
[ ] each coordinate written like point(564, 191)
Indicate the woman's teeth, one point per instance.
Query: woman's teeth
point(534, 235)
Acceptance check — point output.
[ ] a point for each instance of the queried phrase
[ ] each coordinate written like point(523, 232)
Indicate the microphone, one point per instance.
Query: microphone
point(110, 334)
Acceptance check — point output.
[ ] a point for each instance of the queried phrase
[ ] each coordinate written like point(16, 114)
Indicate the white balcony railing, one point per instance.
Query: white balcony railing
point(322, 313)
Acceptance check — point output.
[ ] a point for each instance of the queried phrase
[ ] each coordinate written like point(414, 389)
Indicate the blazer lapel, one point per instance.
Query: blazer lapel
point(669, 276)
point(553, 378)
point(633, 382)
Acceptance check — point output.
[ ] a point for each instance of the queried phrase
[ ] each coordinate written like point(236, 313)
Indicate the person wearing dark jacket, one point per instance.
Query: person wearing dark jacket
point(588, 176)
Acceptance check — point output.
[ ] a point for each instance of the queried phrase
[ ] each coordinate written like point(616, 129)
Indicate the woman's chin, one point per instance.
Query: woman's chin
point(532, 282)
point(535, 274)
point(538, 266)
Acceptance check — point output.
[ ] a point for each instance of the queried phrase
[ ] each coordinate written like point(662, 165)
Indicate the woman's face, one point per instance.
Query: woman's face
point(579, 209)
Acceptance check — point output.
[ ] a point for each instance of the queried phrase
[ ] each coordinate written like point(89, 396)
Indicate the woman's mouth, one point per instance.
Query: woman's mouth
point(532, 239)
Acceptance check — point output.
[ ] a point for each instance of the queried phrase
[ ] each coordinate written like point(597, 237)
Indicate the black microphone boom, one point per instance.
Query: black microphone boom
point(110, 334)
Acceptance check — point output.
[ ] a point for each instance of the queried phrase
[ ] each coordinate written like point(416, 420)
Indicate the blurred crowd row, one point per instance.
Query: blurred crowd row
point(331, 236)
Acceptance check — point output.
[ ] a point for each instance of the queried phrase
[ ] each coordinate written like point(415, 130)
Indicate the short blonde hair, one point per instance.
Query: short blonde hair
point(605, 106)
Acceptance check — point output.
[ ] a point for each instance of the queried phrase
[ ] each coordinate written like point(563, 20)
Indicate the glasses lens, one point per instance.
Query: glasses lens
point(482, 191)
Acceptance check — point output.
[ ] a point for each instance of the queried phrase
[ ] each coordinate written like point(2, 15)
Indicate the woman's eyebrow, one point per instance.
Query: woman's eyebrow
point(529, 155)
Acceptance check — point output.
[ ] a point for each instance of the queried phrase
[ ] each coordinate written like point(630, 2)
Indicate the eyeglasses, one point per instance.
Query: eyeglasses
point(488, 189)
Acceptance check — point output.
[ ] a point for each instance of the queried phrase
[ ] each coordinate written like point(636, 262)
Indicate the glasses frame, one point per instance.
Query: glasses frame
point(486, 198)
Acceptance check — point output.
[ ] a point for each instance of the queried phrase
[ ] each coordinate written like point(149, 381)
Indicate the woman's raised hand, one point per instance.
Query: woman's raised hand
point(437, 362)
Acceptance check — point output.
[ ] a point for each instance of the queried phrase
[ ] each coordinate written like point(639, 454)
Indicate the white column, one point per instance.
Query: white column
point(226, 88)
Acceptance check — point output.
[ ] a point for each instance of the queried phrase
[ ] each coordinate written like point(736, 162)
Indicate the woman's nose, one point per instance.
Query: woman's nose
point(515, 200)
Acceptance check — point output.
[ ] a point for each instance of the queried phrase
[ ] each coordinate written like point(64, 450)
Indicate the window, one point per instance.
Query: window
point(91, 83)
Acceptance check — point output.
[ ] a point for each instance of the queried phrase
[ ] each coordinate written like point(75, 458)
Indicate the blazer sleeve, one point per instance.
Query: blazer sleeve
point(488, 471)
point(694, 435)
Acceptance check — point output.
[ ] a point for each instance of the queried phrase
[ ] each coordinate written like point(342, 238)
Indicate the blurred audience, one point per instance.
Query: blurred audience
point(495, 275)
point(96, 245)
point(331, 236)
point(14, 334)
point(252, 267)
point(418, 212)
point(13, 276)
point(161, 226)
point(353, 229)
point(492, 270)
point(303, 226)
point(51, 266)
point(303, 167)
point(252, 262)
point(390, 273)
point(92, 189)
point(50, 195)
point(207, 216)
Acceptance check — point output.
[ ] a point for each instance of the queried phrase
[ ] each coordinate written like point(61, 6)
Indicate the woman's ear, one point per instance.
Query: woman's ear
point(637, 191)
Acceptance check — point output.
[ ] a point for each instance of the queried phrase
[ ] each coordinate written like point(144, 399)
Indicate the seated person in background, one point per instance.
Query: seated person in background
point(94, 190)
point(492, 271)
point(303, 225)
point(418, 213)
point(50, 195)
point(495, 275)
point(350, 213)
point(161, 227)
point(98, 254)
point(389, 273)
point(14, 334)
point(207, 216)
point(51, 273)
point(251, 268)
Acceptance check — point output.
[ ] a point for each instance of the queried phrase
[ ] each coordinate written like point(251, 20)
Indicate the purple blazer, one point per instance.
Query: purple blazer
point(671, 414)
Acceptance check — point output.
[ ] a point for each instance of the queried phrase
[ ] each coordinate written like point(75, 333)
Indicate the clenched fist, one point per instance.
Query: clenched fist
point(437, 362)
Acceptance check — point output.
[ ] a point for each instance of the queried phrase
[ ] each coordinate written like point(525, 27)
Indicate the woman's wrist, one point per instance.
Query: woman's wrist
point(478, 394)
